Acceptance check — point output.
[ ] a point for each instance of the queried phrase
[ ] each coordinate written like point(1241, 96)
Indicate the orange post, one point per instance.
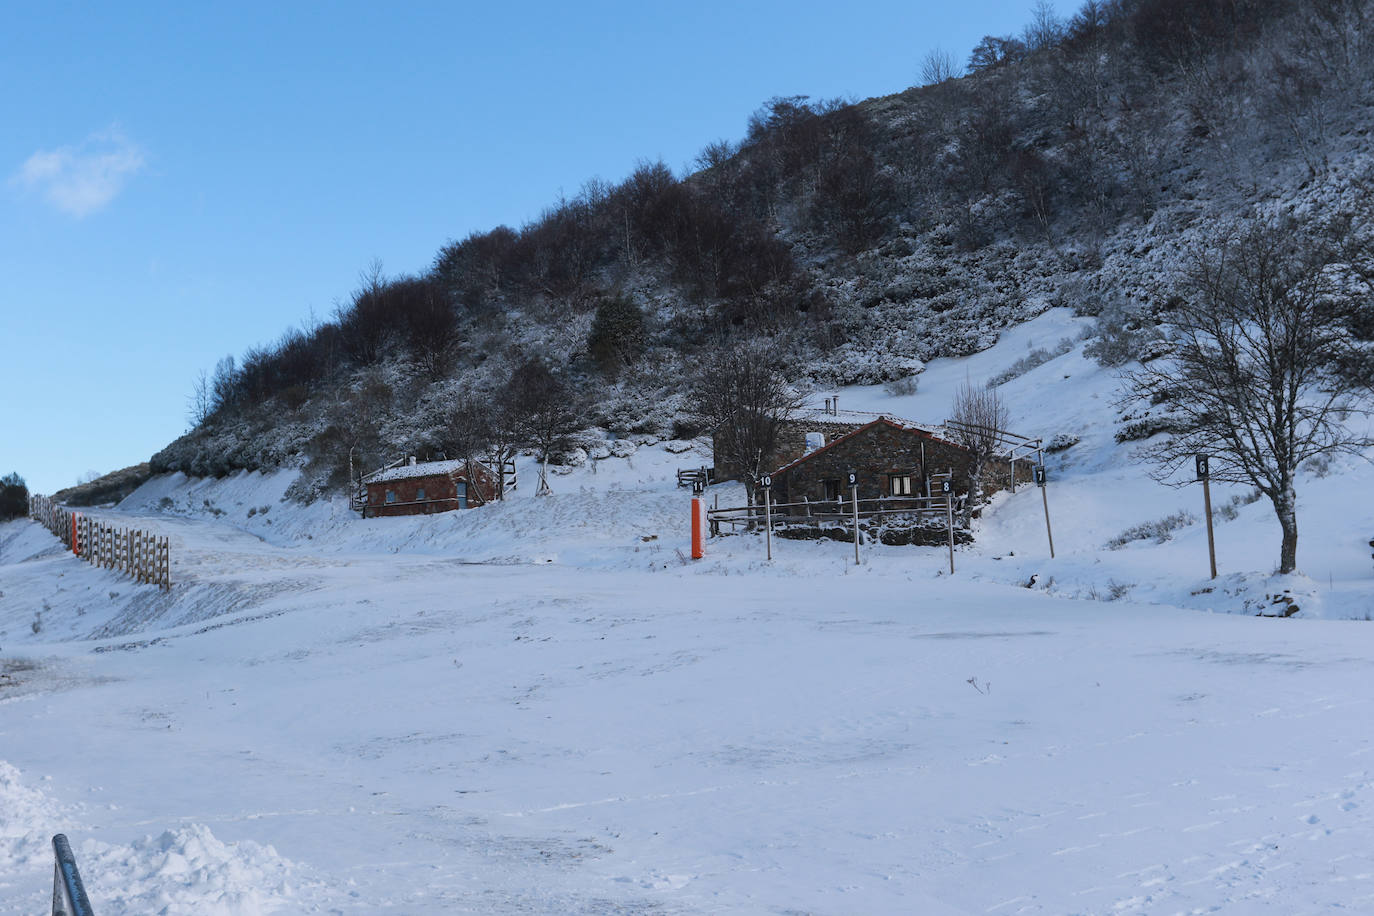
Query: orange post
point(76, 548)
point(698, 529)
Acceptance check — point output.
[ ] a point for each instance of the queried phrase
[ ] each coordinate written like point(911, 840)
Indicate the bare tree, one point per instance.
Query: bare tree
point(471, 431)
point(222, 384)
point(484, 426)
point(200, 402)
point(1250, 382)
point(741, 395)
point(545, 412)
point(937, 66)
point(1045, 28)
point(981, 418)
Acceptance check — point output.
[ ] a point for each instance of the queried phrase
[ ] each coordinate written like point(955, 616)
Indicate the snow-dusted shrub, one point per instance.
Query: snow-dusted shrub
point(901, 387)
point(1120, 335)
point(569, 458)
point(1159, 531)
point(1061, 442)
point(1141, 428)
point(1319, 466)
point(1033, 359)
point(1228, 511)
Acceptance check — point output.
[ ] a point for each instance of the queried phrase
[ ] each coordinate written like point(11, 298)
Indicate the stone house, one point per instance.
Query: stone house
point(805, 431)
point(421, 488)
point(891, 458)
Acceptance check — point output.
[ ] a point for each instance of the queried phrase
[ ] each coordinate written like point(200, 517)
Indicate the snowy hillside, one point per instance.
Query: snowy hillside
point(855, 241)
point(543, 707)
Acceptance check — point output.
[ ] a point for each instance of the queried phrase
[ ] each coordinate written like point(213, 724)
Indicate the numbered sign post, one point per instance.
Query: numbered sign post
point(766, 481)
point(698, 521)
point(1040, 479)
point(947, 490)
point(853, 478)
point(1204, 474)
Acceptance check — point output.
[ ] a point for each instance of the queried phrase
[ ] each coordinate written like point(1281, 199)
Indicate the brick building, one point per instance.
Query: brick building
point(426, 487)
point(892, 458)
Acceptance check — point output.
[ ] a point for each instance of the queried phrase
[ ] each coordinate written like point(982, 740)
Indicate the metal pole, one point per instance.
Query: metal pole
point(949, 521)
point(1048, 533)
point(68, 894)
point(1207, 507)
point(768, 521)
point(854, 492)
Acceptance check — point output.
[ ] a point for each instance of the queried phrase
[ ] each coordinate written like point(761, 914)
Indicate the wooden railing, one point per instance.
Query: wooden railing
point(141, 555)
point(831, 510)
point(688, 476)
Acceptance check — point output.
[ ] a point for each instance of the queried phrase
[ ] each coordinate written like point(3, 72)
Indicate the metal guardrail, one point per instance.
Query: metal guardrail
point(68, 893)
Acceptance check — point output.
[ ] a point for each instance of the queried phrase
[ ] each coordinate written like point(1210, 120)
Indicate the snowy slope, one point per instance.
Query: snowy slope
point(543, 707)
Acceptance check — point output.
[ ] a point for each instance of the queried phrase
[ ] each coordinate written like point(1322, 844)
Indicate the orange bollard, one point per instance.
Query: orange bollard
point(698, 529)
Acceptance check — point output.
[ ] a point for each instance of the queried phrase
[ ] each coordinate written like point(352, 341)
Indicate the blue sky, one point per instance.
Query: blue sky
point(179, 182)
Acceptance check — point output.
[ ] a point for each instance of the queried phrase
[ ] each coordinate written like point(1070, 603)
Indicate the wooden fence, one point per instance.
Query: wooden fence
point(841, 510)
point(141, 555)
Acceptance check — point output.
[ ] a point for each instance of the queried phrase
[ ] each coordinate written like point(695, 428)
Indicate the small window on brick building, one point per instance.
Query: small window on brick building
point(831, 489)
point(391, 496)
point(420, 493)
point(900, 485)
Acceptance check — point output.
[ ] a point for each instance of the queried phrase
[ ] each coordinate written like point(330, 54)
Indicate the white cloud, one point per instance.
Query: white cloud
point(81, 179)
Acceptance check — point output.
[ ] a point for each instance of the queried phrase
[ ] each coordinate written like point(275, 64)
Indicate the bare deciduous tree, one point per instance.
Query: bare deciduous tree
point(981, 417)
point(937, 66)
point(200, 402)
point(1045, 28)
point(1261, 323)
point(222, 384)
point(743, 398)
point(545, 412)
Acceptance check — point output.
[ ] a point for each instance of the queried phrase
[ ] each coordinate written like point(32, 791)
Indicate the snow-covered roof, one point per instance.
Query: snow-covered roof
point(422, 469)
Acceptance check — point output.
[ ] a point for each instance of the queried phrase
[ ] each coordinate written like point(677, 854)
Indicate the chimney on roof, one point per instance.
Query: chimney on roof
point(835, 405)
point(827, 405)
point(412, 461)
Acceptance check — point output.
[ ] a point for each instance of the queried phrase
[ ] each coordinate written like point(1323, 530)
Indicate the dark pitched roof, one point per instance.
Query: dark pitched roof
point(913, 428)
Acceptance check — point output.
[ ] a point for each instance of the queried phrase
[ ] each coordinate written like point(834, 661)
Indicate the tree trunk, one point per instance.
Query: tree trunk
point(1285, 506)
point(975, 492)
point(544, 488)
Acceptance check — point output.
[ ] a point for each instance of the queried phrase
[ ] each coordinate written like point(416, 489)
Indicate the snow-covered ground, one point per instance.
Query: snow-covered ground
point(544, 707)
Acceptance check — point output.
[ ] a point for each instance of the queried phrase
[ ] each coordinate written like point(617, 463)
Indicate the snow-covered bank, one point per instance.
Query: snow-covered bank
point(529, 739)
point(182, 871)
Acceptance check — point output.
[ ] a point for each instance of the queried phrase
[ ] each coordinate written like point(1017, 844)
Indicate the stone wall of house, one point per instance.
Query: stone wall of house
point(883, 450)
